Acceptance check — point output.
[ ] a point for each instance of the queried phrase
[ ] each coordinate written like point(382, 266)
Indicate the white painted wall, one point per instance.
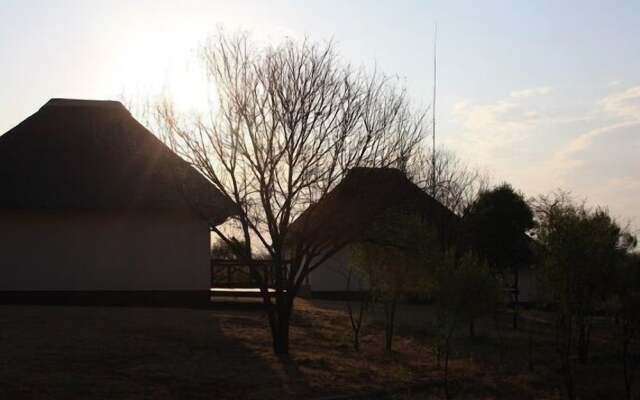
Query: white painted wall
point(332, 275)
point(530, 288)
point(90, 251)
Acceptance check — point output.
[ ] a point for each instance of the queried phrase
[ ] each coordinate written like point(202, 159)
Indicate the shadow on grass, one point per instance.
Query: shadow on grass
point(92, 352)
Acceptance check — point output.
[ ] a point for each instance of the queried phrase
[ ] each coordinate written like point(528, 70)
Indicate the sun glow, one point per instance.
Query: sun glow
point(149, 64)
point(164, 61)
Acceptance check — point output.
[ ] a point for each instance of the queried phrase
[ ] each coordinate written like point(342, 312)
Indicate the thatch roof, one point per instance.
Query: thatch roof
point(88, 155)
point(345, 213)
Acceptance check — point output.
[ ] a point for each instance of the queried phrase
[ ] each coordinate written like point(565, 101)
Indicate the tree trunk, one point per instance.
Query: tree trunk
point(556, 336)
point(280, 329)
point(516, 297)
point(281, 340)
point(357, 320)
point(568, 377)
point(447, 394)
point(279, 314)
point(530, 347)
point(498, 329)
point(567, 368)
point(584, 332)
point(390, 311)
point(625, 363)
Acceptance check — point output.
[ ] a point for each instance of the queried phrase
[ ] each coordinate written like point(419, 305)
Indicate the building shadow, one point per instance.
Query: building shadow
point(160, 353)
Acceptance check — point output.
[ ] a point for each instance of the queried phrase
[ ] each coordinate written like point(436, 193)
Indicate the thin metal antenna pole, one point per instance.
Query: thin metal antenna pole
point(433, 149)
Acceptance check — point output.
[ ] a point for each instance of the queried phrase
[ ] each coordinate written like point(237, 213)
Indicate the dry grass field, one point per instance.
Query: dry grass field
point(50, 352)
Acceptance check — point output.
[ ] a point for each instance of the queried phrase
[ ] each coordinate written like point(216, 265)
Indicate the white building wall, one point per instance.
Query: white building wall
point(91, 251)
point(332, 275)
point(531, 289)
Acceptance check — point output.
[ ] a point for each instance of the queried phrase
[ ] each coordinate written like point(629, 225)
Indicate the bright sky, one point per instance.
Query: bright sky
point(542, 94)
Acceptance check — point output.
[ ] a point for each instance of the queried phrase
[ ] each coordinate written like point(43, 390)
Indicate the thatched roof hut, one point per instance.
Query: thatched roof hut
point(92, 202)
point(80, 154)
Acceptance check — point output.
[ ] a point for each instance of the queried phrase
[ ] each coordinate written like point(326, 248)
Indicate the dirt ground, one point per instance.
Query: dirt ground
point(49, 352)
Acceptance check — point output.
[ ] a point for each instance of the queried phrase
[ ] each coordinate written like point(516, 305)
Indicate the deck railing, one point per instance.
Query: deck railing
point(235, 274)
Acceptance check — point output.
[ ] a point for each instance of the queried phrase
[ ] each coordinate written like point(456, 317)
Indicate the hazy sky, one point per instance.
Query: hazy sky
point(542, 94)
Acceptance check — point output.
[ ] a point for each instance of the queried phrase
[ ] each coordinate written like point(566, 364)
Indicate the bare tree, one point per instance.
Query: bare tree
point(453, 183)
point(391, 256)
point(357, 314)
point(287, 124)
point(453, 278)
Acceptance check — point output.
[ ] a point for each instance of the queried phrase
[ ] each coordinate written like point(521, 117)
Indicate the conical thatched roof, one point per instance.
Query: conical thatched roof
point(88, 155)
point(344, 213)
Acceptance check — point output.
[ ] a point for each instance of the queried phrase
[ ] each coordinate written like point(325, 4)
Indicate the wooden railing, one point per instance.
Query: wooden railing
point(234, 274)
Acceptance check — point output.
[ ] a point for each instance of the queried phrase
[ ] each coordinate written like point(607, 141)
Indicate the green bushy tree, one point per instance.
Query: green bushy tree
point(496, 225)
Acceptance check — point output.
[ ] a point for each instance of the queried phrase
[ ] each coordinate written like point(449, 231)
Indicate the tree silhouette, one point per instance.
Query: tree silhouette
point(289, 121)
point(496, 224)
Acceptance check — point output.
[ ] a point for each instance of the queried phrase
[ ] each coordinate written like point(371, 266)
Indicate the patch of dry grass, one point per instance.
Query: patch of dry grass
point(126, 353)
